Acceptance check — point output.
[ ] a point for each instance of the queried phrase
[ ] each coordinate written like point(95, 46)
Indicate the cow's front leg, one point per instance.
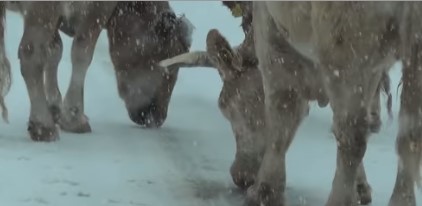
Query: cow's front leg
point(33, 53)
point(73, 118)
point(285, 111)
point(351, 91)
point(284, 103)
point(351, 128)
point(54, 97)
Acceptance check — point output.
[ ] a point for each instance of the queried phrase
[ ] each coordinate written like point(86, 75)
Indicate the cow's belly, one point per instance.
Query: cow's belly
point(77, 14)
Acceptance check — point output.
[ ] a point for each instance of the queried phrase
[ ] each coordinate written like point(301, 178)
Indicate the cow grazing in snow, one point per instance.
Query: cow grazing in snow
point(242, 97)
point(352, 44)
point(140, 34)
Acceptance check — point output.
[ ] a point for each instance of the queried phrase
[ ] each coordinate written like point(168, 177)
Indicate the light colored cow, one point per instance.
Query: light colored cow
point(351, 45)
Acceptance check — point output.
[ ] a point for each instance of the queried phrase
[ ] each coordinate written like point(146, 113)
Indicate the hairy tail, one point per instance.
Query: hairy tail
point(5, 73)
point(385, 84)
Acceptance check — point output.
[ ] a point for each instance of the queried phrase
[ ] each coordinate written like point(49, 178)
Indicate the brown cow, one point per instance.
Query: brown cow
point(242, 100)
point(140, 34)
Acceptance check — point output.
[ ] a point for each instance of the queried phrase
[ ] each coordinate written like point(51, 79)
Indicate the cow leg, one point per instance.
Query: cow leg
point(73, 118)
point(54, 97)
point(351, 127)
point(285, 107)
point(33, 53)
point(362, 187)
point(285, 111)
point(351, 91)
point(409, 138)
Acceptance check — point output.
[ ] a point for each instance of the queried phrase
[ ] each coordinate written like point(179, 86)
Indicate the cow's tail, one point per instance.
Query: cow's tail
point(5, 72)
point(386, 88)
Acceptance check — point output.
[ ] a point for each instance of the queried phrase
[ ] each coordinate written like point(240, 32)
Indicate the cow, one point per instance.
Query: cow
point(139, 33)
point(242, 98)
point(352, 44)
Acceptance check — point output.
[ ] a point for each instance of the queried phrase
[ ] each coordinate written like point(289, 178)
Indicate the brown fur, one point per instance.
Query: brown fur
point(41, 49)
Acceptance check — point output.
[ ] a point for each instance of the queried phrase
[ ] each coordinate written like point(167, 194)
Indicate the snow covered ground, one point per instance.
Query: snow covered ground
point(185, 163)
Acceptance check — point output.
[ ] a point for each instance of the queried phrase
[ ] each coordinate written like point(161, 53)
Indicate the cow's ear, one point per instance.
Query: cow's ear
point(221, 54)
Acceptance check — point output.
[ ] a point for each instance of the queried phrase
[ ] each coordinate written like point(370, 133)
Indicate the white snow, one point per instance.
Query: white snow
point(185, 163)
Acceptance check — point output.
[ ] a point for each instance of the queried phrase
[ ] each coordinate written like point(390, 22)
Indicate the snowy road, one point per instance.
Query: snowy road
point(185, 163)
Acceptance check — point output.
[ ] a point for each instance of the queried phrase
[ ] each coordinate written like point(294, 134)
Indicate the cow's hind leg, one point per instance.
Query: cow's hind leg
point(33, 53)
point(351, 128)
point(73, 118)
point(54, 97)
point(409, 138)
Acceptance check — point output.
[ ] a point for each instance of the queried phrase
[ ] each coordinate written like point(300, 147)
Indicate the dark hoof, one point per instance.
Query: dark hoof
point(375, 127)
point(78, 125)
point(375, 123)
point(242, 179)
point(337, 200)
point(364, 194)
point(264, 195)
point(40, 133)
point(244, 172)
point(323, 100)
point(55, 112)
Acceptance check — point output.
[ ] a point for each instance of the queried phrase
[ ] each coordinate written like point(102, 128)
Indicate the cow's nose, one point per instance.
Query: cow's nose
point(148, 116)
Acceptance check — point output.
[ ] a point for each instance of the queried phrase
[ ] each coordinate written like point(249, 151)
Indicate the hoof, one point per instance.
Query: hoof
point(244, 173)
point(55, 113)
point(264, 195)
point(78, 125)
point(364, 194)
point(375, 127)
point(342, 200)
point(375, 123)
point(242, 179)
point(41, 133)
